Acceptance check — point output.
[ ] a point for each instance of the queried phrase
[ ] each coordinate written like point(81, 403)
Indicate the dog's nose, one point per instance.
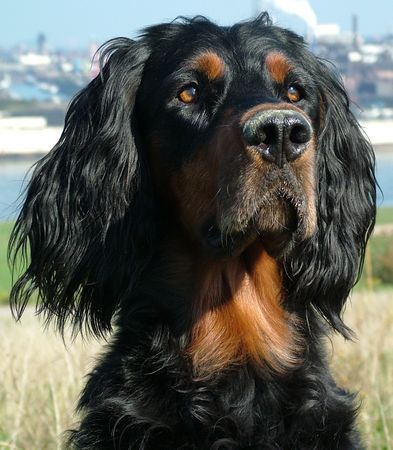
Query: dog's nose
point(278, 135)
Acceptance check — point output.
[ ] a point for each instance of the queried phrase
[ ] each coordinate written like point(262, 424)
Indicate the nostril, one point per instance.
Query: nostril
point(268, 135)
point(299, 134)
point(265, 134)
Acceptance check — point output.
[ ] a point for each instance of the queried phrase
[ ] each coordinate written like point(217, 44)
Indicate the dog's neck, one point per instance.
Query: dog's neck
point(233, 308)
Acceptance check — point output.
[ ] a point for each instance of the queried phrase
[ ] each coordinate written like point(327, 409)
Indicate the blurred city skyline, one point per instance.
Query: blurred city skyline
point(47, 55)
point(75, 23)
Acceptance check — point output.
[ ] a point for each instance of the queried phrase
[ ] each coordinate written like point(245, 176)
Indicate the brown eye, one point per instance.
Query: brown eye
point(294, 94)
point(189, 94)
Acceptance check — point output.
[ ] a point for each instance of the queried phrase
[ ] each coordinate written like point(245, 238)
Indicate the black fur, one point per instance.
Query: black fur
point(94, 222)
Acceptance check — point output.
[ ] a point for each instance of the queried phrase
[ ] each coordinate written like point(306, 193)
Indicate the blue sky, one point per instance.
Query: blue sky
point(75, 23)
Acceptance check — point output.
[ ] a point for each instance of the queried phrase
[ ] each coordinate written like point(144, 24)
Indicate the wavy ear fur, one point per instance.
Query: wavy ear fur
point(79, 226)
point(323, 270)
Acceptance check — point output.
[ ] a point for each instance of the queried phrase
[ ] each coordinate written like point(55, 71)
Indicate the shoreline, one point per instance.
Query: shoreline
point(383, 148)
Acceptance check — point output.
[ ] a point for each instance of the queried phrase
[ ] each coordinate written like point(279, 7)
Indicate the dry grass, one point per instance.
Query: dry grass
point(366, 365)
point(40, 383)
point(41, 378)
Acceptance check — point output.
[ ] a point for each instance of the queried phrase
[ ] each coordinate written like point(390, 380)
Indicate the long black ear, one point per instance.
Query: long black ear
point(76, 229)
point(323, 270)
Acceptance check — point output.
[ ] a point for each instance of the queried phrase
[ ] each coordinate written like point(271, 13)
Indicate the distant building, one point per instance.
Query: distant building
point(42, 45)
point(35, 59)
point(331, 34)
point(384, 84)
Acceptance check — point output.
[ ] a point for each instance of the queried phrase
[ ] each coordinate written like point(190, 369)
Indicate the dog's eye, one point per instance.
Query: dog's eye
point(294, 94)
point(189, 93)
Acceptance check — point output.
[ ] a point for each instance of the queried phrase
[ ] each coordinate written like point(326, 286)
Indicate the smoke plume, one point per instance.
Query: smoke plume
point(299, 8)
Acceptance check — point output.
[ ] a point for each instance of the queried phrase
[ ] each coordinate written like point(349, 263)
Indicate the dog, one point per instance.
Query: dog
point(208, 204)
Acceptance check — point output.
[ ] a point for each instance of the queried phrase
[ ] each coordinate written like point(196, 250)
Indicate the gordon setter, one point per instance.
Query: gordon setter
point(208, 203)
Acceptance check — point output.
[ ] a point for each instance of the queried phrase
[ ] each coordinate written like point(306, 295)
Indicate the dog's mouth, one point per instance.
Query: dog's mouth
point(282, 212)
point(278, 222)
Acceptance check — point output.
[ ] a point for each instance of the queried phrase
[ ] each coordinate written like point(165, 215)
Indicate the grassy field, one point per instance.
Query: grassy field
point(41, 376)
point(5, 277)
point(40, 382)
point(384, 216)
point(366, 365)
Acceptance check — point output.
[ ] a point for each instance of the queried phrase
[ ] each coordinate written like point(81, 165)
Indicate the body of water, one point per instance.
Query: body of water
point(34, 92)
point(385, 178)
point(14, 175)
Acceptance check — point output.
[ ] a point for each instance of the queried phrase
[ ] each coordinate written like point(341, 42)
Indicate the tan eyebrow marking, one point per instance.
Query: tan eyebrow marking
point(278, 66)
point(210, 64)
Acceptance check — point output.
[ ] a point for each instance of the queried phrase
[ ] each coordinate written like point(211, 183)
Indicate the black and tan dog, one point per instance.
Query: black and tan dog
point(209, 202)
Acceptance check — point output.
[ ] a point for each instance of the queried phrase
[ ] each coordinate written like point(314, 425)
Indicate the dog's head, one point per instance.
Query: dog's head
point(230, 123)
point(233, 135)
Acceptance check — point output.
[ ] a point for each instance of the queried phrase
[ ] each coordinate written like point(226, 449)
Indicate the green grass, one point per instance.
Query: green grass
point(385, 216)
point(5, 276)
point(373, 264)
